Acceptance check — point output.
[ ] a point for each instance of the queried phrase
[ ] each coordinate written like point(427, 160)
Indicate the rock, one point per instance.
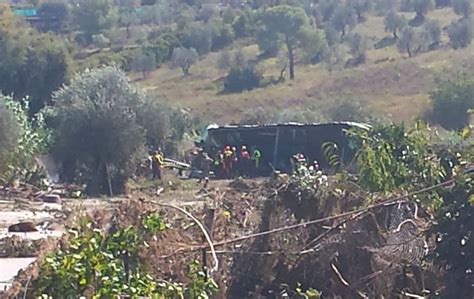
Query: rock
point(51, 198)
point(22, 227)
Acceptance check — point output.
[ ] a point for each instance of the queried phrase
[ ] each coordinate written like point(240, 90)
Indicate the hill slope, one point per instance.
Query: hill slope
point(388, 84)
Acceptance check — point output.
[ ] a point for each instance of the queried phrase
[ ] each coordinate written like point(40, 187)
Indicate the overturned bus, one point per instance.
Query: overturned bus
point(279, 142)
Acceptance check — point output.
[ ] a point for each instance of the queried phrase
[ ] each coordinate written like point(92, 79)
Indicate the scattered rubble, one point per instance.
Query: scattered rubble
point(264, 246)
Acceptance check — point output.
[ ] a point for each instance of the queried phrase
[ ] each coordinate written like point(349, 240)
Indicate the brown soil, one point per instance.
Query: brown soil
point(369, 254)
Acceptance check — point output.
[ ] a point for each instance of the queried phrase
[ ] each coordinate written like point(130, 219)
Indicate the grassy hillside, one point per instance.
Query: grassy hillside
point(388, 84)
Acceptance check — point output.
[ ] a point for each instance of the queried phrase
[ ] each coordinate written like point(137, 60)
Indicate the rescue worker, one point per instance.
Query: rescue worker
point(206, 162)
point(218, 164)
point(235, 169)
point(314, 168)
point(255, 157)
point(228, 161)
point(244, 161)
point(157, 164)
point(299, 163)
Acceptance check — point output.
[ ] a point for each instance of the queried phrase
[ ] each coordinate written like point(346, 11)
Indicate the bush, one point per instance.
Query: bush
point(432, 34)
point(223, 35)
point(460, 33)
point(462, 7)
point(199, 38)
point(243, 26)
point(358, 48)
point(20, 138)
point(268, 115)
point(9, 133)
point(143, 63)
point(102, 124)
point(348, 111)
point(451, 101)
point(100, 41)
point(58, 10)
point(267, 42)
point(240, 79)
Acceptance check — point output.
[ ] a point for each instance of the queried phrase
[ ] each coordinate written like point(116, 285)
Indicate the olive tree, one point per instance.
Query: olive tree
point(144, 62)
point(410, 42)
point(101, 123)
point(287, 25)
point(184, 58)
point(394, 22)
point(344, 17)
point(361, 8)
point(94, 15)
point(421, 8)
point(462, 7)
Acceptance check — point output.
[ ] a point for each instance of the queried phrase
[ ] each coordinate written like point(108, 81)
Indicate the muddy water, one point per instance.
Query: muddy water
point(9, 268)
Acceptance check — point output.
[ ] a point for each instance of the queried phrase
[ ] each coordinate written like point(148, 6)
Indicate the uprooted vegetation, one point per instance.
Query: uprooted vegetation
point(299, 236)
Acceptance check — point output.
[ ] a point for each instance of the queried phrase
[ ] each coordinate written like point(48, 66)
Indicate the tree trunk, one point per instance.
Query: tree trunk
point(343, 33)
point(128, 31)
point(291, 59)
point(409, 51)
point(185, 70)
point(395, 33)
point(282, 73)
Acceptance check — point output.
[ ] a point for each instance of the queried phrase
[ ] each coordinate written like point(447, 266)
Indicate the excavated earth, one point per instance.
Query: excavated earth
point(375, 253)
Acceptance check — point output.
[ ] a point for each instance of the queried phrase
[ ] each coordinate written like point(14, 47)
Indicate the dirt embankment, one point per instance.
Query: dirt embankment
point(270, 238)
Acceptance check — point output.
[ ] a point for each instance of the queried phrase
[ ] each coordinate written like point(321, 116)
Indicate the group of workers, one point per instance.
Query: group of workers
point(301, 166)
point(230, 162)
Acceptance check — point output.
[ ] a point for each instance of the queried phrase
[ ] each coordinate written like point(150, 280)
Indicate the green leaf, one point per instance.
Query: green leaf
point(83, 281)
point(471, 199)
point(465, 132)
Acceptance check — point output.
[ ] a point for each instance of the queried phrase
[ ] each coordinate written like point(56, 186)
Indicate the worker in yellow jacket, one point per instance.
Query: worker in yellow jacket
point(157, 163)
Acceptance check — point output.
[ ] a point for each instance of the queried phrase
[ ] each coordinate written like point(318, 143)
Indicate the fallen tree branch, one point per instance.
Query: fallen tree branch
point(339, 275)
point(395, 201)
point(201, 226)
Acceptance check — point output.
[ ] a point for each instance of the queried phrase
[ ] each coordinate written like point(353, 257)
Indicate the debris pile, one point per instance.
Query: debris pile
point(272, 239)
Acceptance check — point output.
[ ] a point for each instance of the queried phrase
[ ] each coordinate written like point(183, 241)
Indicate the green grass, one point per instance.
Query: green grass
point(389, 84)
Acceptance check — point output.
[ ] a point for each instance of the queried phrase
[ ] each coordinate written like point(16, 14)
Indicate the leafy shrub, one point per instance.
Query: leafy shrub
point(20, 138)
point(348, 111)
point(431, 34)
point(455, 247)
point(100, 41)
point(223, 35)
point(199, 38)
point(460, 33)
point(243, 26)
point(358, 48)
point(392, 156)
point(240, 79)
point(451, 101)
point(107, 265)
point(267, 115)
point(462, 7)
